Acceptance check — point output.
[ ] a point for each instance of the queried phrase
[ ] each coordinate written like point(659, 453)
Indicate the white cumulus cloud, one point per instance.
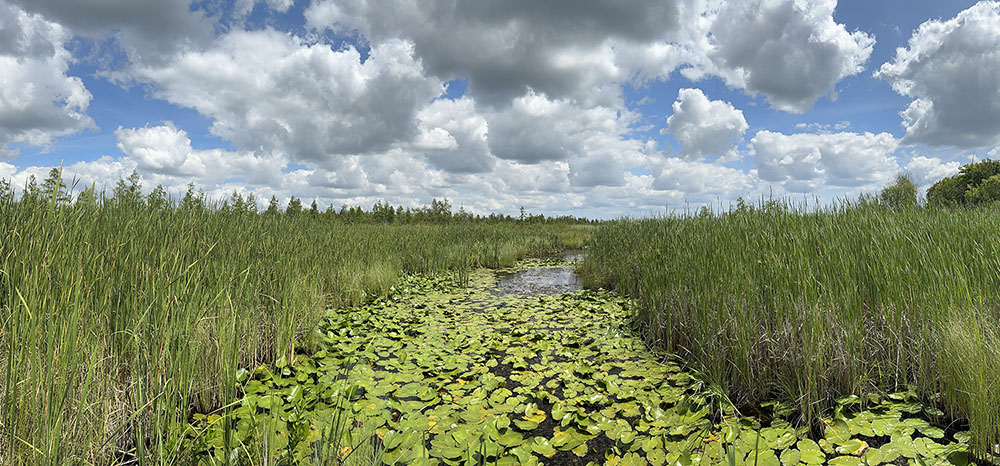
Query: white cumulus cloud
point(38, 99)
point(951, 69)
point(791, 51)
point(806, 162)
point(593, 140)
point(560, 48)
point(705, 127)
point(929, 170)
point(701, 182)
point(166, 151)
point(273, 90)
point(453, 136)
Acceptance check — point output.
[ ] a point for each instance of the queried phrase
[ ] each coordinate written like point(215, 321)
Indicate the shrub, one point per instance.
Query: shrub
point(956, 190)
point(900, 195)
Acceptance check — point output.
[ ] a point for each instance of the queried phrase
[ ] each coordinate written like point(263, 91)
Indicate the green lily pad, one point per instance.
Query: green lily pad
point(845, 461)
point(810, 452)
point(542, 446)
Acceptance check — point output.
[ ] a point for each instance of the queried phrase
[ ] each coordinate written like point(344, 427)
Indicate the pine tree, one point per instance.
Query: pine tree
point(236, 202)
point(53, 187)
point(294, 206)
point(272, 207)
point(250, 204)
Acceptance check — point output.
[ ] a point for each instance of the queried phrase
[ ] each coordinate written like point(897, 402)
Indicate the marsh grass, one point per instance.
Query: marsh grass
point(118, 321)
point(778, 302)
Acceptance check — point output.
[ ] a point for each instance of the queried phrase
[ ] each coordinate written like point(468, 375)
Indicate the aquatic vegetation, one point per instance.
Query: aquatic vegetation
point(118, 320)
point(805, 307)
point(440, 374)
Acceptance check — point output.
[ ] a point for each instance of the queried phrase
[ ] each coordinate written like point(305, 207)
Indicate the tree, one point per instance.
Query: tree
point(31, 193)
point(157, 198)
point(237, 205)
point(439, 210)
point(977, 172)
point(742, 207)
point(294, 206)
point(6, 192)
point(956, 190)
point(987, 192)
point(250, 204)
point(949, 192)
point(272, 207)
point(314, 209)
point(192, 201)
point(128, 191)
point(382, 212)
point(900, 195)
point(53, 188)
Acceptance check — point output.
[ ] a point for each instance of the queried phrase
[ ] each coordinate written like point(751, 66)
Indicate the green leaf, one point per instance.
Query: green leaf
point(845, 461)
point(542, 446)
point(790, 457)
point(810, 452)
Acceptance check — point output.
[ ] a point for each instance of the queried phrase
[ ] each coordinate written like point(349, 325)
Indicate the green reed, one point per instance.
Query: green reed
point(117, 322)
point(780, 302)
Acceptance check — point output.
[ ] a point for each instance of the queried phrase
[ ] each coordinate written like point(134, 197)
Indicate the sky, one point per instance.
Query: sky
point(565, 107)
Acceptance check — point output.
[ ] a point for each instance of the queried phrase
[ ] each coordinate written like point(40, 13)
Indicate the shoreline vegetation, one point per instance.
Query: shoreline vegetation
point(122, 315)
point(776, 302)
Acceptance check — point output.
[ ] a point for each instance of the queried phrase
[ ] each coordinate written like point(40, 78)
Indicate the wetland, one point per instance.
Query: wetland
point(522, 366)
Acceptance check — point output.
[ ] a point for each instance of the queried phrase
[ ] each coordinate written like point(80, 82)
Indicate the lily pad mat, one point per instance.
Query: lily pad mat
point(440, 374)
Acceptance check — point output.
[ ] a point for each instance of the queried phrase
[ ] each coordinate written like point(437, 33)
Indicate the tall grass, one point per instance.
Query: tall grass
point(117, 321)
point(777, 302)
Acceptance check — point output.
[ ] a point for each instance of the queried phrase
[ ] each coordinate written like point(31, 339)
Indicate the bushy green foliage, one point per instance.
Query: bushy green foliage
point(809, 306)
point(157, 198)
point(900, 195)
point(128, 191)
point(6, 191)
point(986, 192)
point(192, 201)
point(294, 206)
point(949, 192)
point(31, 192)
point(962, 189)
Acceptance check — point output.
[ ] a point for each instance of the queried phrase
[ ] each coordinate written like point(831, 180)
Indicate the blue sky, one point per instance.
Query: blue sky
point(560, 107)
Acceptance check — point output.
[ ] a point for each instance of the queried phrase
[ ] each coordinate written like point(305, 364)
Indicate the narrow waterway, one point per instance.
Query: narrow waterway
point(522, 366)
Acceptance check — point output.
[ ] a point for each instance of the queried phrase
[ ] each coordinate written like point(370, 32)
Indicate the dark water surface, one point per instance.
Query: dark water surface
point(543, 280)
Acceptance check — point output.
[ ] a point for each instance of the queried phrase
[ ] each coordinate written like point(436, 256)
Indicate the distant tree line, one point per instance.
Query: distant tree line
point(977, 183)
point(127, 193)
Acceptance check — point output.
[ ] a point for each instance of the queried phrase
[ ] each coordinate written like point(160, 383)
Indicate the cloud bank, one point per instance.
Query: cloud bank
point(354, 105)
